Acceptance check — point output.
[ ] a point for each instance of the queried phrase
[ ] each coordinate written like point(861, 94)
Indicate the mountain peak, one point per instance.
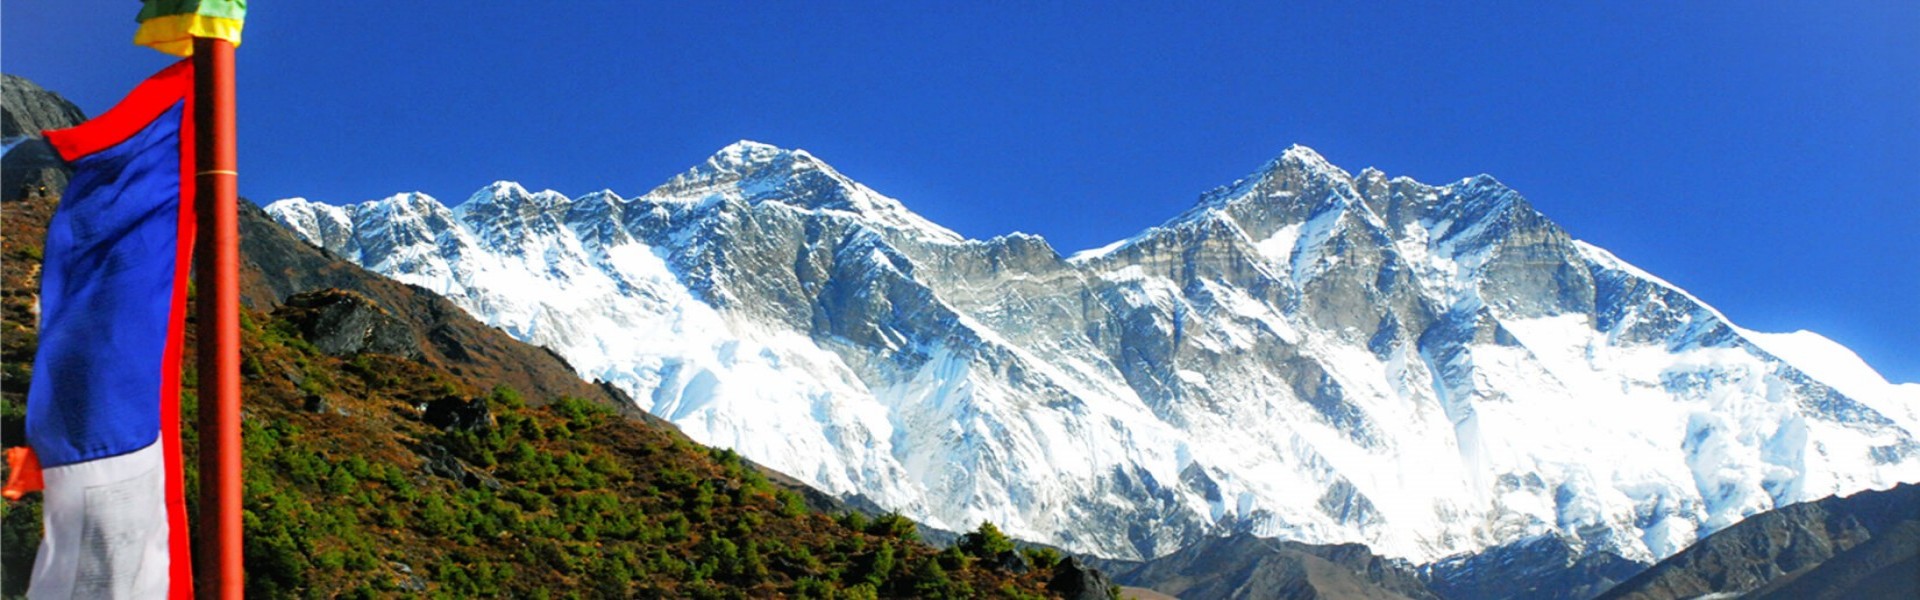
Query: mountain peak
point(1297, 169)
point(1301, 152)
point(407, 202)
point(748, 159)
point(498, 190)
point(751, 147)
point(598, 199)
point(759, 173)
point(1482, 180)
point(748, 156)
point(505, 192)
point(1303, 159)
point(748, 152)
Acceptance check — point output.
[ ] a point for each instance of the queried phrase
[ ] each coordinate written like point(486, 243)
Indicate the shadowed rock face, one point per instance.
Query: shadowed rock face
point(1860, 546)
point(1886, 566)
point(1306, 354)
point(1246, 567)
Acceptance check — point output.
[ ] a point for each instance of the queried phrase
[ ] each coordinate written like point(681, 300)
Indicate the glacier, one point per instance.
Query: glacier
point(1306, 353)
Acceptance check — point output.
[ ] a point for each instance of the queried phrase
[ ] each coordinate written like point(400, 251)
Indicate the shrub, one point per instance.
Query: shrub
point(1043, 559)
point(894, 525)
point(985, 542)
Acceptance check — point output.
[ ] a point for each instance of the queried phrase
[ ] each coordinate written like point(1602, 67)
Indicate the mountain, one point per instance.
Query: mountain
point(1866, 545)
point(1306, 354)
point(1245, 567)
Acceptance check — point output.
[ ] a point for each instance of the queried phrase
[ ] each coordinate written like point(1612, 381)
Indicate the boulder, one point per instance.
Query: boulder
point(455, 414)
point(1076, 581)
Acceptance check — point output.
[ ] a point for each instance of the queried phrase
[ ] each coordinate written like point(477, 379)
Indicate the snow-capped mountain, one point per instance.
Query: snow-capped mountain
point(1306, 353)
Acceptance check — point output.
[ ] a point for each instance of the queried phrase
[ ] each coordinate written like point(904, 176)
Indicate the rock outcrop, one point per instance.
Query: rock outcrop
point(343, 323)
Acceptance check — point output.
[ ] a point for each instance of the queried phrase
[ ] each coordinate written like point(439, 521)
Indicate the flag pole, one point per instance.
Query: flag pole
point(219, 571)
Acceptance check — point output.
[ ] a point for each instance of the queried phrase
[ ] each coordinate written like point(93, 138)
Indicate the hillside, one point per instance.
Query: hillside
point(1866, 545)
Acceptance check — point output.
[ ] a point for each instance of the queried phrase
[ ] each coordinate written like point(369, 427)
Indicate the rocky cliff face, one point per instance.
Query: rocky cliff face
point(1306, 353)
point(1862, 546)
point(31, 109)
point(30, 166)
point(1549, 567)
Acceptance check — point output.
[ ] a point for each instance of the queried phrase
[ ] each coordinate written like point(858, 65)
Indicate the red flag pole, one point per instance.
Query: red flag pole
point(218, 572)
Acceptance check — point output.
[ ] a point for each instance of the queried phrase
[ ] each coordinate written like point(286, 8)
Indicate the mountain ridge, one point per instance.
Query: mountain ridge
point(1386, 333)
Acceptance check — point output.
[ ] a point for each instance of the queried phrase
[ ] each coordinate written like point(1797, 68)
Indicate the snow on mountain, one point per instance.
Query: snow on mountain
point(1306, 353)
point(1833, 364)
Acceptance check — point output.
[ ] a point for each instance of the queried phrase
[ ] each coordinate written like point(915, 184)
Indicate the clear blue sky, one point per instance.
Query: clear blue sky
point(1763, 155)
